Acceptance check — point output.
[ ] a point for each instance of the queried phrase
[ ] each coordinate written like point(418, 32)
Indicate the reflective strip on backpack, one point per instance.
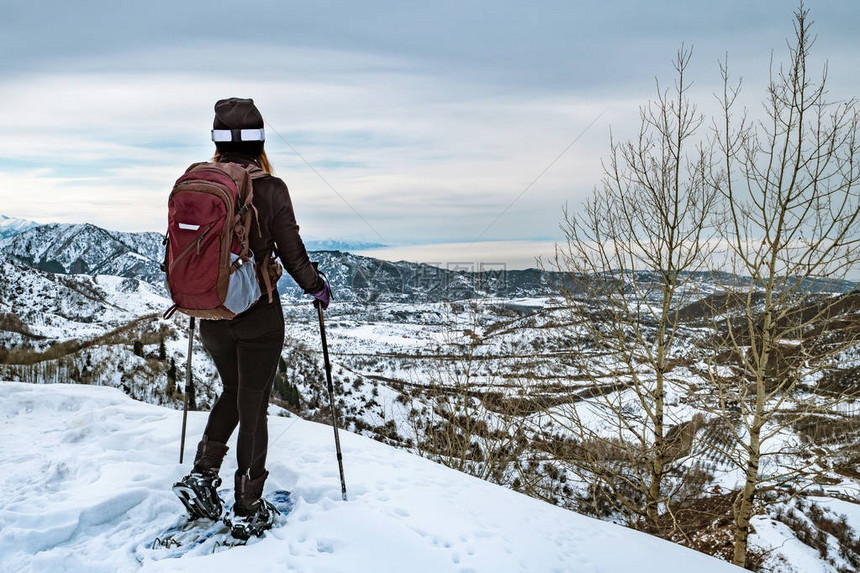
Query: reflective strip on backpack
point(188, 227)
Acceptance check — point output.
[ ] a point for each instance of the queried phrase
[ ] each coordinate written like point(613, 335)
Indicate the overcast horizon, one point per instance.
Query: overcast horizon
point(427, 122)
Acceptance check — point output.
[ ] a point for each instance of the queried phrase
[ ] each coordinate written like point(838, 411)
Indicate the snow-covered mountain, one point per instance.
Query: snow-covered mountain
point(86, 488)
point(12, 226)
point(87, 249)
point(366, 279)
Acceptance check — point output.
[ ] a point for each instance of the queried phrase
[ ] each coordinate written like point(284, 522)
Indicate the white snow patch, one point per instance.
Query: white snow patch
point(87, 475)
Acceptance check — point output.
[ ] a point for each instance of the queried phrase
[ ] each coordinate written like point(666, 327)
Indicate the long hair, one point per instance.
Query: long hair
point(262, 160)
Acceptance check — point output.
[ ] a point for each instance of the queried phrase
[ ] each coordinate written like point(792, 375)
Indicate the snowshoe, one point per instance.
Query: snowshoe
point(251, 514)
point(245, 526)
point(198, 491)
point(199, 494)
point(188, 536)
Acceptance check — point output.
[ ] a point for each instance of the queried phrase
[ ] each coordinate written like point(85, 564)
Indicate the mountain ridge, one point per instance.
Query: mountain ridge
point(10, 226)
point(85, 248)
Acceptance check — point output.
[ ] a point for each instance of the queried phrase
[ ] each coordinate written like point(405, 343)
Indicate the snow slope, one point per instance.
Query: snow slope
point(62, 307)
point(86, 483)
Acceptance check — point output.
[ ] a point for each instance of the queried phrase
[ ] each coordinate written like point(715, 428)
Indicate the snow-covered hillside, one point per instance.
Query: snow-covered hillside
point(86, 485)
point(419, 353)
point(52, 307)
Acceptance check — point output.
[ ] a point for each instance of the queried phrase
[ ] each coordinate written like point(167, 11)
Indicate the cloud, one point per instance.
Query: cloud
point(553, 44)
point(428, 119)
point(394, 144)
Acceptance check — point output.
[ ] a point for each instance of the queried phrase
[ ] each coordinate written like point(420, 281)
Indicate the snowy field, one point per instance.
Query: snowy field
point(86, 485)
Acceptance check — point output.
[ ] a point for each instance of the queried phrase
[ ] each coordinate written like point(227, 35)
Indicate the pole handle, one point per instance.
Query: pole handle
point(324, 277)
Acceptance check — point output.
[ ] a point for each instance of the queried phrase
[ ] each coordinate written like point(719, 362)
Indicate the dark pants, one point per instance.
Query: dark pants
point(245, 351)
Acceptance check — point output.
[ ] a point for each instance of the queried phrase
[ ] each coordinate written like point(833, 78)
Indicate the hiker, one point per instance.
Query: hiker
point(246, 348)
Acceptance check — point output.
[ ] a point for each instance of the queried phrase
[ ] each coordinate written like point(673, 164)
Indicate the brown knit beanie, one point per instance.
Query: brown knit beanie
point(236, 114)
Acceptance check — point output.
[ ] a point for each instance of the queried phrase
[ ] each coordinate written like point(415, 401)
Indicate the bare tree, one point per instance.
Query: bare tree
point(631, 256)
point(789, 225)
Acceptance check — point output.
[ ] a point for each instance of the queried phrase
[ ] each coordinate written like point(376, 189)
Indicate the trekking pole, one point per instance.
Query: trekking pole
point(318, 305)
point(187, 386)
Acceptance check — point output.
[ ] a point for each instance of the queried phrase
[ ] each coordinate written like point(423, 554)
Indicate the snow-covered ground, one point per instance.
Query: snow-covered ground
point(86, 484)
point(57, 307)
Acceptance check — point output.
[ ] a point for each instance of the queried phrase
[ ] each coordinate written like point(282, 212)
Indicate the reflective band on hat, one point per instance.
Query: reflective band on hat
point(222, 135)
point(252, 134)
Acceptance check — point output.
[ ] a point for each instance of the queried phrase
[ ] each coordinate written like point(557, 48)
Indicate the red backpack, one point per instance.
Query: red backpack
point(211, 272)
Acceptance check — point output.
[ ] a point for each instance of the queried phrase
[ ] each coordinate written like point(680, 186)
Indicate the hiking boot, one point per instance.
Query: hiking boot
point(250, 514)
point(198, 491)
point(209, 457)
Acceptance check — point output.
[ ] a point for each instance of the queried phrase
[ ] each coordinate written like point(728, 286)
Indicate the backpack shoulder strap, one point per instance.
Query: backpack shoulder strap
point(248, 208)
point(263, 271)
point(262, 266)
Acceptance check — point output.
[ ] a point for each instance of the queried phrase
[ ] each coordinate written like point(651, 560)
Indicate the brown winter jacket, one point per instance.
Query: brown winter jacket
point(278, 230)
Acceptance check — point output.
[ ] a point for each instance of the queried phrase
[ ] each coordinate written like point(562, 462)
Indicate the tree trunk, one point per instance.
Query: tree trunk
point(744, 506)
point(658, 460)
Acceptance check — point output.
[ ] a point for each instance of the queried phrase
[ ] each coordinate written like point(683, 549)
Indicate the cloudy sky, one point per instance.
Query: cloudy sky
point(428, 119)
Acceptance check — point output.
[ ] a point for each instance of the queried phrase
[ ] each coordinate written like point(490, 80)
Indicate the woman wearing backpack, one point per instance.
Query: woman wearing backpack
point(246, 348)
